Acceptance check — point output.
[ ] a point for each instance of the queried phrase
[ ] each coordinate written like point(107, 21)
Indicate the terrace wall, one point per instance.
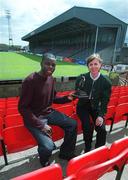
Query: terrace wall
point(12, 88)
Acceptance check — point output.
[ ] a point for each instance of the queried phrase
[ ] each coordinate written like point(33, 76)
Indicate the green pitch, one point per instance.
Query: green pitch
point(16, 66)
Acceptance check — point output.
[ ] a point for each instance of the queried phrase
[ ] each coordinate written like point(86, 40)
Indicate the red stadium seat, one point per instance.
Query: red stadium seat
point(117, 160)
point(118, 146)
point(116, 114)
point(57, 133)
point(3, 149)
point(47, 173)
point(2, 108)
point(97, 171)
point(18, 138)
point(13, 120)
point(13, 110)
point(121, 113)
point(113, 101)
point(87, 160)
point(15, 98)
point(109, 116)
point(66, 109)
point(123, 99)
point(1, 125)
point(12, 104)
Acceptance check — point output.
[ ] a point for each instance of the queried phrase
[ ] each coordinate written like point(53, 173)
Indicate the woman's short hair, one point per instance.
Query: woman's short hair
point(94, 56)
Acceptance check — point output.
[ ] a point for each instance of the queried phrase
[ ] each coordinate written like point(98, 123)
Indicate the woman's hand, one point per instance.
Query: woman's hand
point(99, 121)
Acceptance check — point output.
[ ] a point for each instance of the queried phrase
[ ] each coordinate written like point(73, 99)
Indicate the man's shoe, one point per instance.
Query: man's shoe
point(44, 164)
point(66, 157)
point(87, 150)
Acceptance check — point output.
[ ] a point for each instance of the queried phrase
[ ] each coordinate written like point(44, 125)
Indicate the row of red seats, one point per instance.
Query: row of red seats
point(116, 114)
point(119, 94)
point(119, 88)
point(89, 166)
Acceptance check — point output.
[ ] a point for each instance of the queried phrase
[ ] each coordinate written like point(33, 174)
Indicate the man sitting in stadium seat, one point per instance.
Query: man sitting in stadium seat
point(37, 95)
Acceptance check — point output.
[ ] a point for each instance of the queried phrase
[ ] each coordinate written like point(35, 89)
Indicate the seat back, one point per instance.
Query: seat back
point(1, 138)
point(18, 138)
point(89, 159)
point(97, 171)
point(121, 110)
point(118, 157)
point(118, 146)
point(66, 109)
point(13, 120)
point(57, 133)
point(123, 99)
point(1, 151)
point(109, 115)
point(113, 101)
point(13, 110)
point(47, 173)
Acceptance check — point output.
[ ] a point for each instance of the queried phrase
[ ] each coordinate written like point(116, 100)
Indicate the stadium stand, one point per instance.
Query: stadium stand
point(96, 32)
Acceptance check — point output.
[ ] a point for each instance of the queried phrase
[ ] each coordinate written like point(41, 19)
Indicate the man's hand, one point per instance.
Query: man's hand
point(99, 121)
point(71, 97)
point(47, 130)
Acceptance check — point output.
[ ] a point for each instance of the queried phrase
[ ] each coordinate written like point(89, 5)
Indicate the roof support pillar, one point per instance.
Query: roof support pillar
point(95, 45)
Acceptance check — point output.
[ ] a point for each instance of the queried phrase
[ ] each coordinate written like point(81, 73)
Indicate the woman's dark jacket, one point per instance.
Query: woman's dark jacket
point(100, 90)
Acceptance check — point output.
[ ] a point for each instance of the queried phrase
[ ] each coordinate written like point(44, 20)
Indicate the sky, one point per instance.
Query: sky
point(27, 15)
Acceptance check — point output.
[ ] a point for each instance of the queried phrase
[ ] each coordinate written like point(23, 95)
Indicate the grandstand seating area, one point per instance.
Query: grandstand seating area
point(12, 140)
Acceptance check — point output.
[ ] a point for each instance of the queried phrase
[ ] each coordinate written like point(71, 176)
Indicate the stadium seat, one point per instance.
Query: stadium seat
point(117, 159)
point(2, 108)
point(87, 160)
point(123, 93)
point(118, 146)
point(113, 101)
point(66, 109)
point(13, 110)
point(121, 113)
point(114, 94)
point(18, 138)
point(15, 98)
point(57, 133)
point(47, 173)
point(11, 104)
point(13, 120)
point(123, 99)
point(1, 125)
point(109, 116)
point(116, 114)
point(3, 149)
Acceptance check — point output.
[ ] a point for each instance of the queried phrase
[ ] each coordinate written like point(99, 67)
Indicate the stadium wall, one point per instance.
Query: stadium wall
point(12, 88)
